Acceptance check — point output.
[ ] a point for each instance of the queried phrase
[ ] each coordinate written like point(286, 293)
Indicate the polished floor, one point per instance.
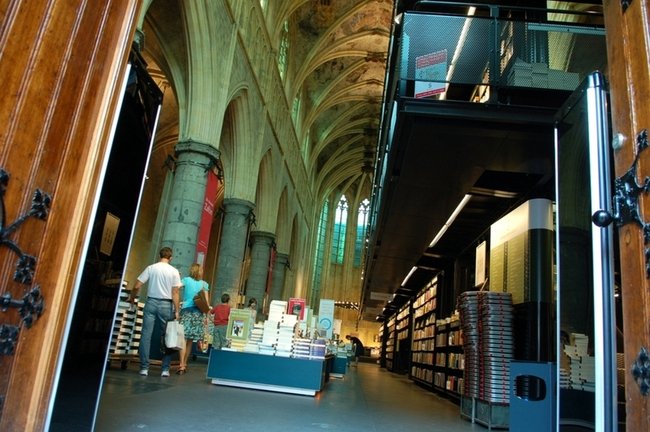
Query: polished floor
point(367, 399)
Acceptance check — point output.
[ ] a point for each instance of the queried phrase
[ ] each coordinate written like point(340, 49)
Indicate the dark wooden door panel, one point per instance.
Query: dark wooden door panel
point(627, 48)
point(62, 64)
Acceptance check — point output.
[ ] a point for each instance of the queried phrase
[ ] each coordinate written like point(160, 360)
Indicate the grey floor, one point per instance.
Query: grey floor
point(367, 399)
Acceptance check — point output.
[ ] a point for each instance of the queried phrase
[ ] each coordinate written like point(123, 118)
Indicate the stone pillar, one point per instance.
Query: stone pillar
point(262, 242)
point(237, 213)
point(277, 280)
point(194, 159)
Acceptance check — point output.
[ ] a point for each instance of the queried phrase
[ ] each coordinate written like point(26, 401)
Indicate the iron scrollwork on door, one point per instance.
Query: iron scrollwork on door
point(626, 210)
point(627, 191)
point(625, 4)
point(641, 371)
point(30, 305)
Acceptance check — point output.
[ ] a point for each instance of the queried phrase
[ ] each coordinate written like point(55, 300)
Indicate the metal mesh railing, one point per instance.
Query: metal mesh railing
point(440, 53)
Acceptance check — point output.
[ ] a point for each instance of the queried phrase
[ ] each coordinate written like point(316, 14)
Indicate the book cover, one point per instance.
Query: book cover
point(296, 306)
point(239, 325)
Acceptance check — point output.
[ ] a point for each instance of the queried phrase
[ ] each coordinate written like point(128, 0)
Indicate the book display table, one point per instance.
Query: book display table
point(270, 373)
point(339, 367)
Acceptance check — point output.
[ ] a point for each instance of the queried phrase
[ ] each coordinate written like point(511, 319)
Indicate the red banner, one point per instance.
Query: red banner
point(207, 214)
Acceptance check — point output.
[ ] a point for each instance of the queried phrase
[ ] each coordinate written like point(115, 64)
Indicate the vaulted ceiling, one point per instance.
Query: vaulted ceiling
point(336, 67)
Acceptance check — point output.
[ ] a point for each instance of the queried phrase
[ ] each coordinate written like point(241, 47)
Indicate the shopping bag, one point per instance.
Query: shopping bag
point(174, 335)
point(202, 301)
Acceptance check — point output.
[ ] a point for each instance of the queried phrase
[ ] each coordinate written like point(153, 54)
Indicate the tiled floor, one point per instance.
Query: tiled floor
point(367, 399)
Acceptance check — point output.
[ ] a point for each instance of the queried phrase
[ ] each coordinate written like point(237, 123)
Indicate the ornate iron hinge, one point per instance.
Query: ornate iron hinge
point(627, 190)
point(626, 209)
point(625, 4)
point(641, 371)
point(31, 305)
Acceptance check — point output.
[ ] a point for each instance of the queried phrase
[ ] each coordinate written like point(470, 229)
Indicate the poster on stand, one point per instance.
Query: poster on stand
point(337, 327)
point(326, 317)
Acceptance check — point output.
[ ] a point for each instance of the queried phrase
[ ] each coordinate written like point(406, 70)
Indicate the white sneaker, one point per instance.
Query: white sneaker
point(144, 372)
point(165, 374)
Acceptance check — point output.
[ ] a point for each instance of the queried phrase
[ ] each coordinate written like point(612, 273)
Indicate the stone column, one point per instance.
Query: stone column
point(237, 213)
point(194, 159)
point(262, 242)
point(277, 280)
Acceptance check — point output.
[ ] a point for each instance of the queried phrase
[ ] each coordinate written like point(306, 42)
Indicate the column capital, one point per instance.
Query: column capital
point(281, 259)
point(239, 206)
point(262, 237)
point(191, 146)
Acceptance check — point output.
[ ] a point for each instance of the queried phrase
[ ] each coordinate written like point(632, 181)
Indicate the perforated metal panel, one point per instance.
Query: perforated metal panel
point(441, 51)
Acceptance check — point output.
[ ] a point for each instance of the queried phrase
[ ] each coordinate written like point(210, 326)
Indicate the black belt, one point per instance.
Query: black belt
point(161, 299)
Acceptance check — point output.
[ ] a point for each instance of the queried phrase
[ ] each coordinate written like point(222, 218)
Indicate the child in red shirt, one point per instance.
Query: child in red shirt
point(221, 313)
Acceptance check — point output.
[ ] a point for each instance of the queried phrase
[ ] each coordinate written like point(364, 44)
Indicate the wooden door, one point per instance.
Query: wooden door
point(62, 65)
point(626, 23)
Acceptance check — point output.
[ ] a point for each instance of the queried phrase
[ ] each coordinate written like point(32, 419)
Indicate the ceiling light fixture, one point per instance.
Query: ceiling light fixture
point(409, 275)
point(451, 219)
point(459, 47)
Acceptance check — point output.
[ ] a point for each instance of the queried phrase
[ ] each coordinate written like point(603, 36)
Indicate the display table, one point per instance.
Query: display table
point(339, 367)
point(271, 373)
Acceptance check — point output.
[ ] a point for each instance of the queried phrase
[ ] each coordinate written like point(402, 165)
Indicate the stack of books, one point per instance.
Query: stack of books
point(581, 364)
point(286, 330)
point(317, 349)
point(266, 349)
point(538, 75)
point(270, 332)
point(127, 328)
point(301, 348)
point(277, 310)
point(257, 334)
point(238, 344)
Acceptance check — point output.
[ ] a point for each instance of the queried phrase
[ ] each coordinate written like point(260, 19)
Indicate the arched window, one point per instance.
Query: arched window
point(295, 111)
point(338, 234)
point(283, 52)
point(319, 253)
point(306, 145)
point(362, 225)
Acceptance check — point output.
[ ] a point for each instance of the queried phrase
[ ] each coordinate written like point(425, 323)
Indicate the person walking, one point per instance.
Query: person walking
point(193, 320)
point(162, 304)
point(221, 314)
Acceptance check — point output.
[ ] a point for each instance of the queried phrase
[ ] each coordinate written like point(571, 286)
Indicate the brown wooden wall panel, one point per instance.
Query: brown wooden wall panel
point(62, 63)
point(627, 45)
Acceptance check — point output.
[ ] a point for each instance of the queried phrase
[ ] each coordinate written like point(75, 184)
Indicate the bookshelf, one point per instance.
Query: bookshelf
point(424, 333)
point(382, 339)
point(449, 359)
point(402, 358)
point(390, 342)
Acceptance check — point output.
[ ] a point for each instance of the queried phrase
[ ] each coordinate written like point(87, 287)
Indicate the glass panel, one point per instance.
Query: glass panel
point(585, 282)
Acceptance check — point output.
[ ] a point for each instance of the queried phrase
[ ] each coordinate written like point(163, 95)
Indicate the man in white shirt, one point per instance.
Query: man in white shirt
point(163, 298)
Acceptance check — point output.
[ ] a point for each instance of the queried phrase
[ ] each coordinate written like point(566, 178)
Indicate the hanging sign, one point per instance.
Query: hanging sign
point(207, 214)
point(430, 74)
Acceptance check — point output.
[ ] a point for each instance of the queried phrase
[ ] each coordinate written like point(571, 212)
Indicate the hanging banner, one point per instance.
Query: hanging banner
point(207, 214)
